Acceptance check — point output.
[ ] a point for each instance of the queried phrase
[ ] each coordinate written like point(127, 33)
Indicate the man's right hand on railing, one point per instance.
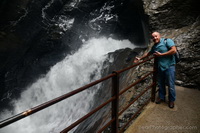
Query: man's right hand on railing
point(136, 60)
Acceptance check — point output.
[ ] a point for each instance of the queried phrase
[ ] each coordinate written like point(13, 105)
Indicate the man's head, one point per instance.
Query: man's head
point(156, 37)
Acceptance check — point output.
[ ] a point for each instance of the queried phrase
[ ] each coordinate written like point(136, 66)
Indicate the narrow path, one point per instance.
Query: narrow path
point(159, 118)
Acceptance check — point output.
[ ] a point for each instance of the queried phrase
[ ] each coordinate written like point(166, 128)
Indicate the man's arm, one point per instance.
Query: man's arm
point(170, 52)
point(144, 56)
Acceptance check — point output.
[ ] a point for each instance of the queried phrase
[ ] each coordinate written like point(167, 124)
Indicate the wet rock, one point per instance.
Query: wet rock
point(179, 20)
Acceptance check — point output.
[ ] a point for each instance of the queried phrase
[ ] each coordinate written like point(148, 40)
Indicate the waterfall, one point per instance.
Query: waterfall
point(54, 29)
point(76, 70)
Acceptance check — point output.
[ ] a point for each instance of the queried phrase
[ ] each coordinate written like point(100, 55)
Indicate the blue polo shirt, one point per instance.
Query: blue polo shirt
point(164, 62)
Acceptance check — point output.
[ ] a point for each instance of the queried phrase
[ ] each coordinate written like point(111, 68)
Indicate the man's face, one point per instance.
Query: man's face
point(156, 37)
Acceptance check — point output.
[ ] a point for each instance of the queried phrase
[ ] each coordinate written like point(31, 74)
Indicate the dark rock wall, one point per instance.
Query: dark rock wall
point(179, 20)
point(35, 35)
point(24, 43)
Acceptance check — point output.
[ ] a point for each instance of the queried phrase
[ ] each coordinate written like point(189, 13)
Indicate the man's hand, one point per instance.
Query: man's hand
point(157, 53)
point(136, 59)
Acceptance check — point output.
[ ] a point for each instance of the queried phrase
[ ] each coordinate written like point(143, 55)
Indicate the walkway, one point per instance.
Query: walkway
point(159, 118)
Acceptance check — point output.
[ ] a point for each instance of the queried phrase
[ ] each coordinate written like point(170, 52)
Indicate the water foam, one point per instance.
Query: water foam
point(71, 73)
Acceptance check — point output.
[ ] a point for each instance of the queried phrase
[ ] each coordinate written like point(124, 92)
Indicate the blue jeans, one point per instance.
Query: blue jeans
point(167, 77)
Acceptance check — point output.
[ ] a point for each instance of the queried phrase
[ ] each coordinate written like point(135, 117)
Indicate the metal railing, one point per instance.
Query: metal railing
point(114, 100)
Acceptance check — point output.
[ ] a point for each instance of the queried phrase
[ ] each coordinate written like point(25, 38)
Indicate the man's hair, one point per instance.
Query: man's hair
point(156, 32)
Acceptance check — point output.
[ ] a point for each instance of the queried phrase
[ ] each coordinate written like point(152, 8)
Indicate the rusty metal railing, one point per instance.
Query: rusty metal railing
point(114, 100)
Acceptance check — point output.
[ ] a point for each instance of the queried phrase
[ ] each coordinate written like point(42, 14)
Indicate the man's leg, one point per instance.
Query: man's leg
point(171, 84)
point(161, 84)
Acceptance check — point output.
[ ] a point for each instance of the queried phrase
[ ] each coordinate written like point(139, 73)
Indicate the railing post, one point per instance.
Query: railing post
point(153, 91)
point(115, 103)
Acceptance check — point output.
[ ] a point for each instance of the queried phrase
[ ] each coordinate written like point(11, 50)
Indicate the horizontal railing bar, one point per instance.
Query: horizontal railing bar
point(11, 120)
point(136, 82)
point(123, 70)
point(49, 103)
point(92, 112)
point(146, 89)
point(103, 128)
point(87, 115)
point(108, 124)
point(12, 117)
point(60, 98)
point(122, 129)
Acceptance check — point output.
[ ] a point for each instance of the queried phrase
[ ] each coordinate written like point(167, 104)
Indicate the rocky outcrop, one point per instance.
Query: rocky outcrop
point(179, 20)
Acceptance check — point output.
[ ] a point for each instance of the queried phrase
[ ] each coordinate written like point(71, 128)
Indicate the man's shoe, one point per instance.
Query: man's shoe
point(171, 104)
point(158, 101)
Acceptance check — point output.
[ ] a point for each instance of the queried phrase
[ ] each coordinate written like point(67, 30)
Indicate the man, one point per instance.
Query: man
point(164, 51)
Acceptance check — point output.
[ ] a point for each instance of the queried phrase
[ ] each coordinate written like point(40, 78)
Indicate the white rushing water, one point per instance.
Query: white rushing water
point(71, 73)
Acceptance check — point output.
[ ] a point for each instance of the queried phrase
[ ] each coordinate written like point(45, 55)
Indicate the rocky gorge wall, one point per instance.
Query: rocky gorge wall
point(174, 19)
point(35, 35)
point(179, 20)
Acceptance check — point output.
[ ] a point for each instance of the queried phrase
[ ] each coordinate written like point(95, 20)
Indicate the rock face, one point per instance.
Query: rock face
point(179, 20)
point(35, 35)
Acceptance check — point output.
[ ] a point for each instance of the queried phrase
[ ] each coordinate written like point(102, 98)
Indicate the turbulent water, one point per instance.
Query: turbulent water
point(60, 46)
point(74, 71)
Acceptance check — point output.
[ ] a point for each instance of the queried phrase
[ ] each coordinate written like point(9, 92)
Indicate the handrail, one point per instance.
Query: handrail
point(125, 69)
point(87, 115)
point(138, 81)
point(145, 90)
point(114, 99)
point(49, 103)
